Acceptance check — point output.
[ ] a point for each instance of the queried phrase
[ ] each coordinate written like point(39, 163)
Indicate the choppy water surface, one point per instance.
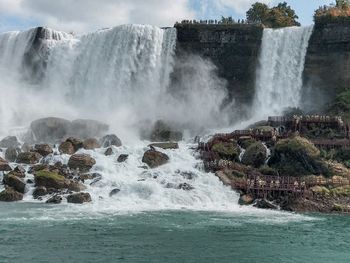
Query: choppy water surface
point(43, 233)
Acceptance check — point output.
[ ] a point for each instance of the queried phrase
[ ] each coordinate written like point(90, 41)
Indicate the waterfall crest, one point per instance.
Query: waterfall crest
point(281, 65)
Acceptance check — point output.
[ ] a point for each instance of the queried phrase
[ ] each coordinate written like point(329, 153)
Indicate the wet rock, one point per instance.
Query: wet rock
point(30, 181)
point(4, 166)
point(122, 158)
point(56, 199)
point(40, 191)
point(264, 204)
point(165, 145)
point(10, 141)
point(26, 147)
point(66, 148)
point(96, 180)
point(50, 180)
point(75, 186)
point(110, 140)
point(79, 198)
point(185, 186)
point(163, 132)
point(109, 152)
point(91, 144)
point(114, 192)
point(85, 128)
point(43, 149)
point(15, 182)
point(77, 143)
point(154, 158)
point(11, 154)
point(49, 129)
point(255, 155)
point(83, 162)
point(89, 176)
point(246, 199)
point(10, 195)
point(38, 167)
point(28, 158)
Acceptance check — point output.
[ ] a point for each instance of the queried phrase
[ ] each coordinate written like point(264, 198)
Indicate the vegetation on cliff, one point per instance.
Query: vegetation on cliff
point(281, 15)
point(334, 12)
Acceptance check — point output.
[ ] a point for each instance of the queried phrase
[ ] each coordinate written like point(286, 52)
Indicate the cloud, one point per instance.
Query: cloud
point(87, 15)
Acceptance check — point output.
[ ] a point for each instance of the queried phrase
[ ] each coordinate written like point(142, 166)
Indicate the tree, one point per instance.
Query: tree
point(342, 3)
point(258, 13)
point(281, 15)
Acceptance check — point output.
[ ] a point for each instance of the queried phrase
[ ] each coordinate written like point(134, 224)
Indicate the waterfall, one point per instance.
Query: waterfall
point(279, 75)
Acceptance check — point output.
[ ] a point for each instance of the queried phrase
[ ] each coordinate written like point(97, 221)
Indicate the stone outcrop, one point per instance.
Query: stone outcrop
point(15, 182)
point(50, 180)
point(49, 129)
point(109, 140)
point(85, 128)
point(79, 198)
point(4, 165)
point(327, 63)
point(11, 154)
point(28, 158)
point(9, 141)
point(164, 132)
point(83, 162)
point(43, 149)
point(10, 195)
point(154, 158)
point(234, 49)
point(66, 148)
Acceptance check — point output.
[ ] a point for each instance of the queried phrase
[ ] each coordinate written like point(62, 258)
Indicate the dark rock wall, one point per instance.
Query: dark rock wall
point(327, 64)
point(234, 49)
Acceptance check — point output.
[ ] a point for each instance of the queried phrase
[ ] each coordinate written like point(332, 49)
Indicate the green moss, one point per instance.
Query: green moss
point(49, 175)
point(227, 150)
point(255, 155)
point(297, 145)
point(341, 191)
point(267, 170)
point(245, 142)
point(320, 190)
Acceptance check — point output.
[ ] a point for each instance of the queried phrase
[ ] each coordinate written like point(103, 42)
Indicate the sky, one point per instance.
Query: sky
point(88, 15)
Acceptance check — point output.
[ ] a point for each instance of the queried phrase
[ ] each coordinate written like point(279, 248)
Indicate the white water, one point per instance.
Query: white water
point(120, 76)
point(281, 65)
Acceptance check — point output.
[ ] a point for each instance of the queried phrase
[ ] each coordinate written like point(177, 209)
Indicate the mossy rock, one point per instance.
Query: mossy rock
point(267, 170)
point(227, 150)
point(297, 157)
point(320, 190)
point(50, 180)
point(264, 128)
point(245, 142)
point(341, 191)
point(255, 155)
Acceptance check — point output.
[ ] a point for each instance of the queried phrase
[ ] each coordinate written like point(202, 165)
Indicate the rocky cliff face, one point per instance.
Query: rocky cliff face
point(327, 64)
point(234, 49)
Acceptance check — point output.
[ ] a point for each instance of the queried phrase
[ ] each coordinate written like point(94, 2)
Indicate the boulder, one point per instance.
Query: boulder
point(79, 198)
point(77, 143)
point(114, 192)
point(4, 166)
point(66, 148)
point(15, 182)
point(10, 195)
point(163, 132)
point(264, 204)
point(255, 155)
point(9, 141)
point(154, 158)
point(49, 129)
point(85, 128)
point(227, 150)
point(122, 158)
point(165, 145)
point(185, 186)
point(246, 199)
point(109, 140)
point(56, 199)
point(50, 180)
point(40, 191)
point(26, 147)
point(297, 157)
point(11, 154)
point(91, 144)
point(75, 186)
point(28, 158)
point(18, 171)
point(43, 149)
point(109, 152)
point(83, 162)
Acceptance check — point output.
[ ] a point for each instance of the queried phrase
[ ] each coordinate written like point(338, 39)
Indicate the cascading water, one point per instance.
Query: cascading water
point(281, 65)
point(120, 76)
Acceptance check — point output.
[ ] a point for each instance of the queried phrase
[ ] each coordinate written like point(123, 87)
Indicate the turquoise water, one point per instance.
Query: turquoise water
point(41, 233)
